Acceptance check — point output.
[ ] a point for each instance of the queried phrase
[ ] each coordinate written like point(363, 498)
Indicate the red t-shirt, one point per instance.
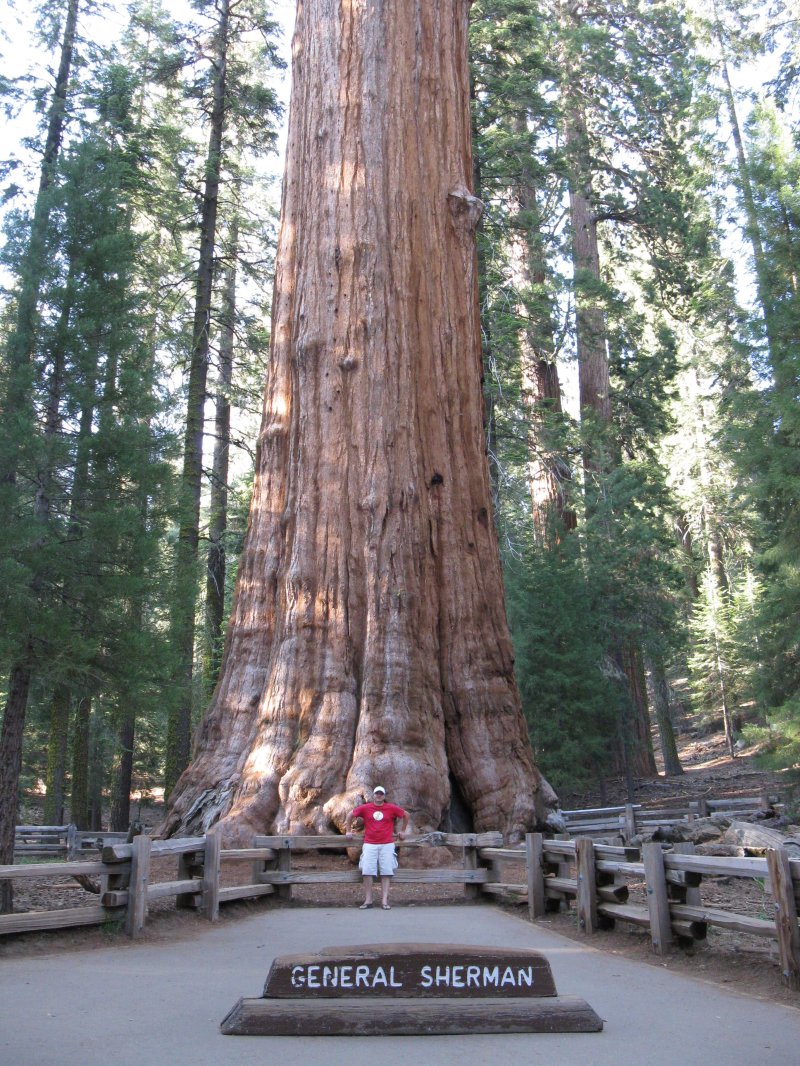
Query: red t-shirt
point(379, 821)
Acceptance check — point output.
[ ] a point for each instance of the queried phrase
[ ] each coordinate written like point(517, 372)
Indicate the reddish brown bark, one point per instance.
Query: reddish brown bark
point(368, 640)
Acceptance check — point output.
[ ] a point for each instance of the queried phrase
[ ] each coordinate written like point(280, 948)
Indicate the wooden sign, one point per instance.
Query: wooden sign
point(411, 970)
point(410, 989)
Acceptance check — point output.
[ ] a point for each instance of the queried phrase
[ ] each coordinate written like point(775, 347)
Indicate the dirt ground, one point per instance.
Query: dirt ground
point(747, 963)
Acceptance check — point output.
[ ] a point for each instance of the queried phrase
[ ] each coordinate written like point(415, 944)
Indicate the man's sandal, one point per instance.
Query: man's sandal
point(365, 906)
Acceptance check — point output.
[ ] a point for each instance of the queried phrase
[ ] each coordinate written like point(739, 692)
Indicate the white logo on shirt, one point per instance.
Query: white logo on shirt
point(378, 816)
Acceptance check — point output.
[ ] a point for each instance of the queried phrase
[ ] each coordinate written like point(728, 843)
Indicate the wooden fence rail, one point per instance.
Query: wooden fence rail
point(37, 841)
point(631, 819)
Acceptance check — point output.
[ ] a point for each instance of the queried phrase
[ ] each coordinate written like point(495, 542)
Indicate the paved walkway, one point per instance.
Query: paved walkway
point(160, 1004)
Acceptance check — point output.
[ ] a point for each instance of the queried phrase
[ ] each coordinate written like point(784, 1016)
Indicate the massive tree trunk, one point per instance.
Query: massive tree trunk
point(368, 640)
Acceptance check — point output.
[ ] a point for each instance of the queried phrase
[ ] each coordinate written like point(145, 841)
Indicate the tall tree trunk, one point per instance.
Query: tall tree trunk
point(753, 230)
point(590, 326)
point(97, 766)
point(639, 742)
point(10, 767)
point(123, 772)
point(57, 755)
point(183, 622)
point(58, 743)
point(79, 796)
point(666, 730)
point(369, 640)
point(548, 473)
point(22, 339)
point(594, 386)
point(218, 506)
point(719, 587)
point(683, 536)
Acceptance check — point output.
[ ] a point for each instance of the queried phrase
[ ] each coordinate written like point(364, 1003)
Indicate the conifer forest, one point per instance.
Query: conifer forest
point(613, 479)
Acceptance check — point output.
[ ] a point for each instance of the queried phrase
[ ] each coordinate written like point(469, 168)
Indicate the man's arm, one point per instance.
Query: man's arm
point(401, 832)
point(348, 822)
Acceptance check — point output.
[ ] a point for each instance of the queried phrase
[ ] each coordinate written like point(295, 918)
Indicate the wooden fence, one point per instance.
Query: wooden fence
point(126, 888)
point(595, 876)
point(38, 841)
point(633, 819)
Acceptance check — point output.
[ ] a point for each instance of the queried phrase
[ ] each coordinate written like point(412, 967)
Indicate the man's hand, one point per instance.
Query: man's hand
point(349, 834)
point(401, 835)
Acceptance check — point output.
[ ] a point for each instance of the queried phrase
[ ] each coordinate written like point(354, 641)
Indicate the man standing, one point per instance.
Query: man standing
point(377, 854)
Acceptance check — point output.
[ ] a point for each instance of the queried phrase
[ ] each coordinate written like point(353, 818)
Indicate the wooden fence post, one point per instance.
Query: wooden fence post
point(470, 841)
point(587, 888)
point(189, 869)
point(534, 869)
point(72, 842)
point(260, 866)
point(690, 893)
point(137, 890)
point(285, 865)
point(657, 899)
point(780, 875)
point(630, 822)
point(563, 869)
point(211, 876)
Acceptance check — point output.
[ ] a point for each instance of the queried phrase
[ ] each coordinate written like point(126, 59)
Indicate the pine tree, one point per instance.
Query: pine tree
point(234, 99)
point(17, 436)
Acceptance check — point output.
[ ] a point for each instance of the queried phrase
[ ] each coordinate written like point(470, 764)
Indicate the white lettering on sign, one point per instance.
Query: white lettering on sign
point(460, 975)
point(343, 977)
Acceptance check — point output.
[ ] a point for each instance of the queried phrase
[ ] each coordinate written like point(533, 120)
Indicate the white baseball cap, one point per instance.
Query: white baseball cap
point(379, 788)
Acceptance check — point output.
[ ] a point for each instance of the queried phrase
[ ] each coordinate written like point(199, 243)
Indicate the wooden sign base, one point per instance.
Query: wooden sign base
point(410, 990)
point(410, 1017)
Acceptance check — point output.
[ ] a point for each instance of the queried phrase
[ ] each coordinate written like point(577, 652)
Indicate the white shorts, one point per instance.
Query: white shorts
point(378, 859)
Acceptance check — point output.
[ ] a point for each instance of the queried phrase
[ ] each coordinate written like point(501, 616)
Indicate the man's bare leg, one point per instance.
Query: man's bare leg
point(385, 882)
point(367, 879)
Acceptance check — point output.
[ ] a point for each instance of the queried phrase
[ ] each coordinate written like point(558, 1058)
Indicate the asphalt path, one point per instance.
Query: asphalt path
point(161, 1003)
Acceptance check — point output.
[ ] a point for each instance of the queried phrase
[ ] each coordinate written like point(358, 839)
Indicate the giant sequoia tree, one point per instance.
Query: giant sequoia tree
point(368, 639)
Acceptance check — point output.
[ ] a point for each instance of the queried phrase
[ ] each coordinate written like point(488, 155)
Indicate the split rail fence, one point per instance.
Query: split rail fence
point(36, 841)
point(125, 887)
point(633, 819)
point(595, 876)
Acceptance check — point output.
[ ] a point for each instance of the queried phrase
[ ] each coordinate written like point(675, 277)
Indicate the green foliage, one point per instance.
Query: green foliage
point(570, 701)
point(764, 431)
